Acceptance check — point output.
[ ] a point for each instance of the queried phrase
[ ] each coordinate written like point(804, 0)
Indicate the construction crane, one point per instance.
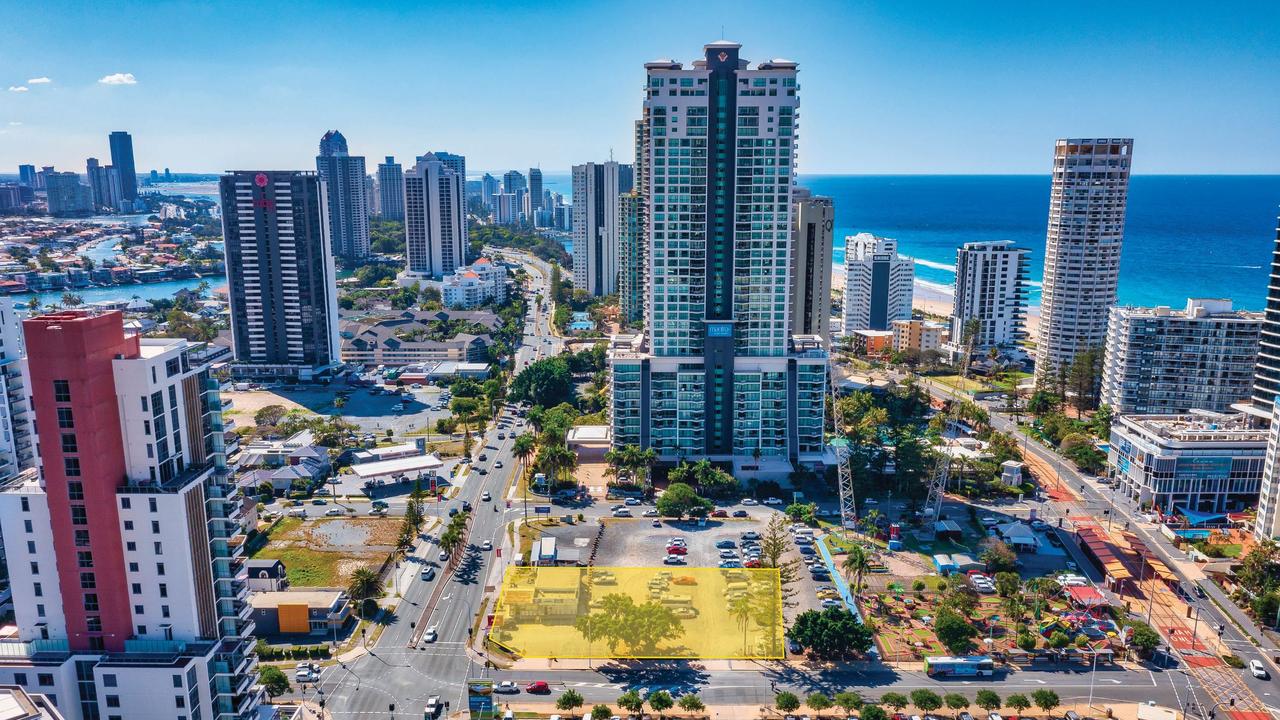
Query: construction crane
point(844, 450)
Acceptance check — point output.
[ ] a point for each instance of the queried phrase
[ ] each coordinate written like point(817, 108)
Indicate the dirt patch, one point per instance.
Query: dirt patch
point(248, 402)
point(325, 552)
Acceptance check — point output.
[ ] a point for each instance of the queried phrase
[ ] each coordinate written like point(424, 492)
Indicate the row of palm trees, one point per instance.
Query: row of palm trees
point(632, 462)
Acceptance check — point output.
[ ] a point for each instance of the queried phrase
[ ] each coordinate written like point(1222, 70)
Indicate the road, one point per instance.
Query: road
point(398, 671)
point(1100, 501)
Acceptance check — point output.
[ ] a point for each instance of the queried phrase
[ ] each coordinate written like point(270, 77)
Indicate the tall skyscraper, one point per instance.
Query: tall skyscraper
point(371, 195)
point(811, 248)
point(106, 185)
point(67, 195)
point(435, 219)
point(506, 208)
point(1266, 377)
point(1163, 361)
point(456, 163)
point(283, 292)
point(991, 287)
point(17, 444)
point(122, 160)
point(512, 181)
point(27, 175)
point(878, 283)
point(124, 548)
point(717, 373)
point(596, 187)
point(1082, 248)
point(631, 257)
point(348, 202)
point(535, 190)
point(489, 187)
point(391, 188)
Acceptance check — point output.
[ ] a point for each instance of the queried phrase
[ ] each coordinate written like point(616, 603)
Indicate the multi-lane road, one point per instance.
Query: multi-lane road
point(401, 673)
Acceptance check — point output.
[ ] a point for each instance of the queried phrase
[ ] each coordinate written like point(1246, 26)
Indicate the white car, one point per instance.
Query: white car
point(498, 464)
point(622, 513)
point(1258, 670)
point(750, 501)
point(333, 512)
point(773, 501)
point(430, 635)
point(306, 676)
point(829, 603)
point(486, 545)
point(507, 687)
point(485, 496)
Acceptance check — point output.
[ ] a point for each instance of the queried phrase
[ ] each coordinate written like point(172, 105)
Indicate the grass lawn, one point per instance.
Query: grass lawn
point(959, 383)
point(304, 566)
point(1009, 381)
point(1231, 551)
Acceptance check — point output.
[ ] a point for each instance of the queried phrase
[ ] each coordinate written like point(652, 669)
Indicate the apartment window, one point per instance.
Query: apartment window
point(31, 547)
point(177, 681)
point(71, 467)
point(39, 609)
point(151, 503)
point(20, 678)
point(164, 590)
point(44, 679)
point(128, 525)
point(84, 559)
point(78, 515)
point(139, 610)
point(179, 701)
point(133, 567)
point(108, 681)
point(93, 623)
point(158, 548)
point(113, 701)
point(142, 629)
point(37, 589)
point(88, 581)
point(164, 611)
point(61, 391)
point(171, 367)
point(155, 527)
point(65, 418)
point(26, 505)
point(26, 525)
point(35, 568)
point(131, 546)
point(91, 605)
point(82, 538)
point(75, 490)
point(126, 504)
point(136, 588)
point(160, 568)
point(144, 402)
point(68, 443)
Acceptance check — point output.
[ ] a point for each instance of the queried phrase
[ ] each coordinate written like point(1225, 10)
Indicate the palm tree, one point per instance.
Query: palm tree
point(856, 563)
point(524, 448)
point(70, 299)
point(364, 585)
point(740, 609)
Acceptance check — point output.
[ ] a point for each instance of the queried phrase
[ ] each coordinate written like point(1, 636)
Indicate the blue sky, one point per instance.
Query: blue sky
point(889, 87)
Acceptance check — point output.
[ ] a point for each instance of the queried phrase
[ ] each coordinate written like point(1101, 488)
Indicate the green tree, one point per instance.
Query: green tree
point(630, 701)
point(988, 700)
point(544, 382)
point(364, 585)
point(1046, 700)
point(786, 702)
point(848, 701)
point(831, 634)
point(873, 712)
point(855, 563)
point(998, 556)
point(680, 500)
point(1059, 640)
point(691, 703)
point(956, 701)
point(1008, 584)
point(817, 702)
point(569, 700)
point(926, 700)
point(274, 681)
point(1143, 638)
point(269, 415)
point(895, 700)
point(661, 702)
point(601, 712)
point(953, 630)
point(1018, 703)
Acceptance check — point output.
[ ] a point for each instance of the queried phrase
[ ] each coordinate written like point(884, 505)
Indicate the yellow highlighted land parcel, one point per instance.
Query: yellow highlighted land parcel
point(635, 612)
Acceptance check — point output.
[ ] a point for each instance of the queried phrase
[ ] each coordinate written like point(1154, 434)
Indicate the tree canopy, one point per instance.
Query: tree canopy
point(830, 634)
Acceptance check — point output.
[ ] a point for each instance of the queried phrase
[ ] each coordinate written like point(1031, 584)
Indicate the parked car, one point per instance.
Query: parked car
point(538, 686)
point(751, 535)
point(333, 512)
point(319, 501)
point(1258, 670)
point(623, 513)
point(750, 501)
point(773, 501)
point(632, 501)
point(673, 560)
point(507, 687)
point(740, 513)
point(677, 550)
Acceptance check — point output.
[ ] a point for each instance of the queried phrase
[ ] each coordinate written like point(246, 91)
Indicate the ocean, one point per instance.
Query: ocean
point(1185, 236)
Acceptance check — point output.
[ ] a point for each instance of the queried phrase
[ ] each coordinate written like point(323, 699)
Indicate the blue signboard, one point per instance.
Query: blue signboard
point(721, 330)
point(1203, 467)
point(541, 509)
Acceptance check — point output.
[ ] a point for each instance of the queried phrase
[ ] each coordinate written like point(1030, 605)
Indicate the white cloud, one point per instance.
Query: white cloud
point(119, 79)
point(14, 123)
point(18, 88)
point(39, 81)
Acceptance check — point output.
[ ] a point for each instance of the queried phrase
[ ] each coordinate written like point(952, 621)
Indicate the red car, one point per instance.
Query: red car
point(751, 564)
point(677, 550)
point(539, 687)
point(719, 513)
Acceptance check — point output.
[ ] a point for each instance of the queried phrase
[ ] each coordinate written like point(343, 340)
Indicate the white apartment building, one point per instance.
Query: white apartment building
point(506, 208)
point(717, 372)
point(17, 443)
point(1082, 249)
point(1163, 361)
point(991, 287)
point(481, 282)
point(878, 283)
point(348, 196)
point(125, 549)
point(1267, 526)
point(597, 224)
point(435, 219)
point(1199, 462)
point(1266, 382)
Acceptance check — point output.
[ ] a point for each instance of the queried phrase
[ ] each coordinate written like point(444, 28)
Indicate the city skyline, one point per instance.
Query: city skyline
point(875, 73)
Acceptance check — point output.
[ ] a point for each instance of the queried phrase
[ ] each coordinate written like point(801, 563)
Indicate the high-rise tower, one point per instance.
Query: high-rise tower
point(718, 373)
point(391, 188)
point(348, 200)
point(991, 287)
point(122, 160)
point(435, 219)
point(596, 189)
point(811, 247)
point(280, 272)
point(1082, 249)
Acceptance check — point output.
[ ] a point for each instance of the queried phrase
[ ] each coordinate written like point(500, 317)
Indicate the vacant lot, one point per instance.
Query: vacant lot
point(325, 551)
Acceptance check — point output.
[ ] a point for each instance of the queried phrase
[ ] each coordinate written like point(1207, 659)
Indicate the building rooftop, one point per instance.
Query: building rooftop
point(1196, 309)
point(314, 598)
point(16, 704)
point(1199, 426)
